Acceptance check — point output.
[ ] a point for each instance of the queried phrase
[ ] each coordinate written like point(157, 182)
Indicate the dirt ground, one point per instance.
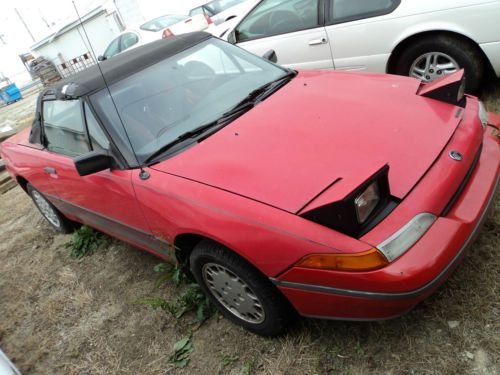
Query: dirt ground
point(59, 315)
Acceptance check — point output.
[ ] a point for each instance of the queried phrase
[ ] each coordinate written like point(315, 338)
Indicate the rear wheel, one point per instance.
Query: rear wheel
point(434, 57)
point(240, 292)
point(55, 218)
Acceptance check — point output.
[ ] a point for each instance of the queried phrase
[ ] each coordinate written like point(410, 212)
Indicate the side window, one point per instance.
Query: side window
point(196, 11)
point(98, 139)
point(113, 48)
point(274, 17)
point(128, 40)
point(64, 128)
point(349, 10)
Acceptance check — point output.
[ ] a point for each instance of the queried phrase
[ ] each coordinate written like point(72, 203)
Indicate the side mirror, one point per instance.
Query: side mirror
point(231, 38)
point(101, 58)
point(271, 56)
point(93, 162)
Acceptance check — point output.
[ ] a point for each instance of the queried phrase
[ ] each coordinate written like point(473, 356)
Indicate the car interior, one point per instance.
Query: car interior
point(278, 17)
point(175, 96)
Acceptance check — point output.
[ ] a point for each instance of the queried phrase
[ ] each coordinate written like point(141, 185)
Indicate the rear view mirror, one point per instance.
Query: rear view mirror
point(271, 56)
point(101, 58)
point(93, 162)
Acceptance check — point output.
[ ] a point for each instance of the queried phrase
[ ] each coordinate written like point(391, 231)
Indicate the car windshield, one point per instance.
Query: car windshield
point(182, 93)
point(161, 23)
point(219, 6)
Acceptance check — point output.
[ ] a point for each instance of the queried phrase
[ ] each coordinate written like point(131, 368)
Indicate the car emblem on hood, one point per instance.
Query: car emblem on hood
point(455, 155)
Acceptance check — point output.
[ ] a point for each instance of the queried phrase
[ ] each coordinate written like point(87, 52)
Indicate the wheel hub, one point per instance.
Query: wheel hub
point(233, 293)
point(432, 66)
point(46, 209)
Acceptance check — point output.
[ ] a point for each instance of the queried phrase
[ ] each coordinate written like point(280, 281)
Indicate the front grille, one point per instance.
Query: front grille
point(462, 186)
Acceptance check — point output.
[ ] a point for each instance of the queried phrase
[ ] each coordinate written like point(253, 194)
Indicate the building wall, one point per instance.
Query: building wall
point(100, 30)
point(130, 11)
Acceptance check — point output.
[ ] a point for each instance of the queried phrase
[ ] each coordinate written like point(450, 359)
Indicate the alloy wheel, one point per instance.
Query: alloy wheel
point(432, 66)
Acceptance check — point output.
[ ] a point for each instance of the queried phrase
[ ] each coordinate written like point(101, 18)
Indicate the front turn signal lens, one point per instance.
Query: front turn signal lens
point(367, 261)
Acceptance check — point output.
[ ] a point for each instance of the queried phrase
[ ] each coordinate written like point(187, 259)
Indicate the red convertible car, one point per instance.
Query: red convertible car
point(327, 194)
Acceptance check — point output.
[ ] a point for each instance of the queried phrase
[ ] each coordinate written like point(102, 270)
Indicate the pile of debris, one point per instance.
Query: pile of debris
point(45, 70)
point(6, 182)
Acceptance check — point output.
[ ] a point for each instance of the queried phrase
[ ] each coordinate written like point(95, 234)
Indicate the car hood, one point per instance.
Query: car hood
point(323, 131)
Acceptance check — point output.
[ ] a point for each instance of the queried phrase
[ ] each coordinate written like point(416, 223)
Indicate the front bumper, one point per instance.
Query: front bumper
point(397, 288)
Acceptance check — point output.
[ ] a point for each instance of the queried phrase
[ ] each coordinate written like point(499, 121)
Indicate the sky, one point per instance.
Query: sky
point(44, 17)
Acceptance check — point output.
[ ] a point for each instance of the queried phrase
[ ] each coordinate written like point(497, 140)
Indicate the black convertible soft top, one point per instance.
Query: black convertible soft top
point(115, 69)
point(121, 66)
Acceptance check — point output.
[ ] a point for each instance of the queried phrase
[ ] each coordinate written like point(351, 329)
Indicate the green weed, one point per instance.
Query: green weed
point(86, 241)
point(230, 359)
point(182, 351)
point(190, 298)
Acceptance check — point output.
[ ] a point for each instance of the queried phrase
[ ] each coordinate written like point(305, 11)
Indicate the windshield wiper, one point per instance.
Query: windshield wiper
point(269, 88)
point(196, 133)
point(201, 132)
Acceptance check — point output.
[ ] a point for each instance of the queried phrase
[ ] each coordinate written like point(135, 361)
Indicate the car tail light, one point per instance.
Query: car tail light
point(367, 261)
point(167, 33)
point(209, 20)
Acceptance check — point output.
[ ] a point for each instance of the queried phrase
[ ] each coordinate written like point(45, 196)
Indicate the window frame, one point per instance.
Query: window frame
point(329, 21)
point(44, 136)
point(114, 150)
point(119, 41)
point(121, 162)
point(320, 23)
point(122, 47)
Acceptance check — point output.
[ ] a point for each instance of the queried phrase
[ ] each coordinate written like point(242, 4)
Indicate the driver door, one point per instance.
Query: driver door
point(294, 29)
point(105, 200)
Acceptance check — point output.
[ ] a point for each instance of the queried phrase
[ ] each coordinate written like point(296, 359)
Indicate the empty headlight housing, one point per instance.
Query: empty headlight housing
point(360, 211)
point(401, 241)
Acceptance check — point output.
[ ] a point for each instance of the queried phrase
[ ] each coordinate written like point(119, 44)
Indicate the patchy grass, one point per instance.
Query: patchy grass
point(59, 316)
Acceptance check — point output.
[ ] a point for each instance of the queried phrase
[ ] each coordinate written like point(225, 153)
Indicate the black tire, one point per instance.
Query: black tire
point(59, 222)
point(463, 52)
point(278, 314)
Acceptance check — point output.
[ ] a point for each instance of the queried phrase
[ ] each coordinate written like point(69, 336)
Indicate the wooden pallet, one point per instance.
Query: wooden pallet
point(6, 182)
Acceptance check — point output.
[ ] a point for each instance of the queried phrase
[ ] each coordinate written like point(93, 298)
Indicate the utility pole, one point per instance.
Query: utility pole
point(26, 26)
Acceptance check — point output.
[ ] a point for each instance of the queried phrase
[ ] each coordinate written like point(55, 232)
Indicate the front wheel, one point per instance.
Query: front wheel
point(432, 58)
point(240, 292)
point(55, 218)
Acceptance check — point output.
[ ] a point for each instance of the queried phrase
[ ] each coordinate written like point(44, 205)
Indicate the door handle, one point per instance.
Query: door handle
point(317, 42)
point(50, 170)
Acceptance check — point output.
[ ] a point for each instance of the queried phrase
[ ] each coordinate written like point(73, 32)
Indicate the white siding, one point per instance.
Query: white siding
point(100, 30)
